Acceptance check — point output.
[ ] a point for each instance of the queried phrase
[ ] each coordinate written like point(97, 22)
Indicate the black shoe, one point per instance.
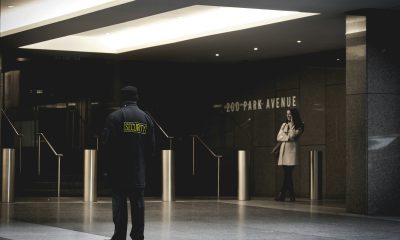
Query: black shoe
point(137, 236)
point(280, 197)
point(115, 238)
point(292, 197)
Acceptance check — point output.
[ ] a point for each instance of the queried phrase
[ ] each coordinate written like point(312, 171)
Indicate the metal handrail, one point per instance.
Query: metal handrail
point(20, 139)
point(58, 157)
point(15, 130)
point(205, 145)
point(162, 130)
point(212, 153)
point(97, 142)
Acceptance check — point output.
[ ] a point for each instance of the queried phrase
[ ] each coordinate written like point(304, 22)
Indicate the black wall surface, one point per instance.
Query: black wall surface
point(189, 99)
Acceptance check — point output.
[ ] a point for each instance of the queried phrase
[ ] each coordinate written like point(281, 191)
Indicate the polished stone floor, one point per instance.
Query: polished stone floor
point(257, 219)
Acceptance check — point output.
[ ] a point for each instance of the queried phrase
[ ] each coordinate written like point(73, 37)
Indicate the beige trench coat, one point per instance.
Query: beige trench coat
point(288, 153)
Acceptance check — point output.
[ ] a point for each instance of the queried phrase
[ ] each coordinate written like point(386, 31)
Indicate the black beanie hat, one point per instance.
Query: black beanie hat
point(129, 93)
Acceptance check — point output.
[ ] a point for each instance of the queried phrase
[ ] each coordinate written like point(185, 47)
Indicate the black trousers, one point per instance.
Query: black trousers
point(120, 213)
point(287, 180)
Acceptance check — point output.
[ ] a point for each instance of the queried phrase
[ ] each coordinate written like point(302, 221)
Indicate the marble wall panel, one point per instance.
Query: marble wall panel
point(286, 80)
point(356, 153)
point(383, 153)
point(335, 76)
point(264, 120)
point(356, 51)
point(383, 55)
point(264, 128)
point(312, 106)
point(263, 172)
point(335, 141)
point(243, 130)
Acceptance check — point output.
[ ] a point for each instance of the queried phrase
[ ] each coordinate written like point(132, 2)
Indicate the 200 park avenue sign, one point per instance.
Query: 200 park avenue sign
point(261, 104)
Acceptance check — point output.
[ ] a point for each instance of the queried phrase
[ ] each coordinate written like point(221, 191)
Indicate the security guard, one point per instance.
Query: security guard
point(128, 140)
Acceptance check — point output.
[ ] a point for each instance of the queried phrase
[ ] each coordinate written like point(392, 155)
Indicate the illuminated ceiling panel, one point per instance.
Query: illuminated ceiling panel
point(168, 27)
point(22, 15)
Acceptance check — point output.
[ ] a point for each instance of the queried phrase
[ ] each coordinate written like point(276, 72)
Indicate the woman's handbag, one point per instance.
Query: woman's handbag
point(275, 150)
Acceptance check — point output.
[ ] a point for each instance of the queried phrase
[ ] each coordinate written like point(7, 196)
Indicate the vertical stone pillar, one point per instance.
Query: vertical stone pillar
point(372, 113)
point(1, 98)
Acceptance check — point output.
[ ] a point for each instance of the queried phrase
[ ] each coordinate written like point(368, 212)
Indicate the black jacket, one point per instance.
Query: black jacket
point(128, 140)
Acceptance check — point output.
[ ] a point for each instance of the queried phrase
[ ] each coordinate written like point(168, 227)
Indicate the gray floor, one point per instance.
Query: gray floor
point(70, 218)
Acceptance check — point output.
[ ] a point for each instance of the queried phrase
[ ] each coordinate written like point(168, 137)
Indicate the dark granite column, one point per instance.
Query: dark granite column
point(1, 101)
point(373, 113)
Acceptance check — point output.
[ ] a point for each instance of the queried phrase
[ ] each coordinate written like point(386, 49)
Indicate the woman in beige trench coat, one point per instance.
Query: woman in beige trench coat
point(289, 134)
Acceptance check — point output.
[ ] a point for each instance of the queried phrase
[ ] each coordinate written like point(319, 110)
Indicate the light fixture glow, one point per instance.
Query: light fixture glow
point(169, 27)
point(217, 54)
point(31, 14)
point(37, 91)
point(21, 59)
point(255, 49)
point(298, 41)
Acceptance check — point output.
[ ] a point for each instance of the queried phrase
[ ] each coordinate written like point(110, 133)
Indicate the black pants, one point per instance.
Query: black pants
point(287, 180)
point(120, 213)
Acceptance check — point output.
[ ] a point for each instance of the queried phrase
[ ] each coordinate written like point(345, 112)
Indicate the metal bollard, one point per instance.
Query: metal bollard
point(315, 175)
point(90, 177)
point(8, 175)
point(168, 176)
point(243, 175)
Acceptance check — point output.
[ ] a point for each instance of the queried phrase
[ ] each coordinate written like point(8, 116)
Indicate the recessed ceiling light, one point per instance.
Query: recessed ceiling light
point(217, 54)
point(22, 59)
point(255, 49)
point(298, 41)
point(165, 28)
point(36, 91)
point(337, 59)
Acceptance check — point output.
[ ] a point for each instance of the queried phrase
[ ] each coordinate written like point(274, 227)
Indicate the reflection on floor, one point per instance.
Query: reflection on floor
point(257, 219)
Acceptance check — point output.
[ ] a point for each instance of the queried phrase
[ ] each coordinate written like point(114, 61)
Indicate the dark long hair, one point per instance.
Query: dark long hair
point(298, 123)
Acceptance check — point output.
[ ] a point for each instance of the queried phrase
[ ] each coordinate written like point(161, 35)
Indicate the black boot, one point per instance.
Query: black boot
point(280, 197)
point(292, 196)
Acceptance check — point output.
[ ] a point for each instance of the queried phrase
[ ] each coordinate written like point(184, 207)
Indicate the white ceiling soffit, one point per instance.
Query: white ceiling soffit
point(169, 27)
point(22, 15)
